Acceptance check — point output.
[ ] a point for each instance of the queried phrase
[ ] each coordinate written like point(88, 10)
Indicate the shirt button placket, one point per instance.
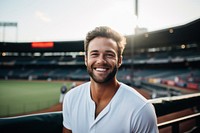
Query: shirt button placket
point(92, 130)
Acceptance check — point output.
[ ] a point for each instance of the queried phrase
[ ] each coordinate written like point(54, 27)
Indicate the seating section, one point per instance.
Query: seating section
point(150, 66)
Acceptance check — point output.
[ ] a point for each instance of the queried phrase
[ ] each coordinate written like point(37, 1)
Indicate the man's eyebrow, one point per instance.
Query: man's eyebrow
point(94, 51)
point(107, 51)
point(110, 51)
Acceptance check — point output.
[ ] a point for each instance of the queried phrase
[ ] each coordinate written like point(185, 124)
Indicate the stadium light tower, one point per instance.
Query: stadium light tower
point(133, 42)
point(8, 24)
point(136, 9)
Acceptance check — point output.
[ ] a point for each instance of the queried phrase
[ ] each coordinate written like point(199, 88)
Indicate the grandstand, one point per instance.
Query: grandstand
point(169, 56)
point(163, 63)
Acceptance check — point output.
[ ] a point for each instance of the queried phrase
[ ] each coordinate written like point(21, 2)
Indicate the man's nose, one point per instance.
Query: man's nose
point(101, 59)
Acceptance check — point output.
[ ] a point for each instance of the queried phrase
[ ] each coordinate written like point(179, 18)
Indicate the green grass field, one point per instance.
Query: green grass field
point(21, 97)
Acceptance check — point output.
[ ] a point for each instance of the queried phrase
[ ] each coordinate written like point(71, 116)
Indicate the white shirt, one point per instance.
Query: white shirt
point(127, 112)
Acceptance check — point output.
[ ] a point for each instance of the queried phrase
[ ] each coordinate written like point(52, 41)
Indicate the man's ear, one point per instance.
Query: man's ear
point(120, 61)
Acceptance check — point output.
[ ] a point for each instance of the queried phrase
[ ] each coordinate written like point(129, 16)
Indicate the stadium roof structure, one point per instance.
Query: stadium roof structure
point(188, 33)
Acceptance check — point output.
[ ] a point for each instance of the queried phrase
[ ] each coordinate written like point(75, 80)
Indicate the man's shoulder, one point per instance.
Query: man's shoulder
point(132, 93)
point(79, 89)
point(77, 94)
point(134, 99)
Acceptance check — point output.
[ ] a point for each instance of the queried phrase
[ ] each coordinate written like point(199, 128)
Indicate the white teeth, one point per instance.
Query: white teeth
point(101, 69)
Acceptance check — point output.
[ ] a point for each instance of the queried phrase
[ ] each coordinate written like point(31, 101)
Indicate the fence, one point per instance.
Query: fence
point(175, 123)
point(52, 122)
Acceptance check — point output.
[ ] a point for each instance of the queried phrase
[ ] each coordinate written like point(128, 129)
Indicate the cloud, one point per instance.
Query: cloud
point(42, 16)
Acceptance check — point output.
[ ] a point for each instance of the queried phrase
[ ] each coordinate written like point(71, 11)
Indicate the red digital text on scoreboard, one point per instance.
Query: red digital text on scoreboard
point(42, 45)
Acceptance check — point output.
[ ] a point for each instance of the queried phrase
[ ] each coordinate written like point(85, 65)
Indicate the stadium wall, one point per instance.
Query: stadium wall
point(52, 122)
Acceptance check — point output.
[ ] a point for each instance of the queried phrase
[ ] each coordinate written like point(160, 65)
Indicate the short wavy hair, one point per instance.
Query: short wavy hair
point(104, 31)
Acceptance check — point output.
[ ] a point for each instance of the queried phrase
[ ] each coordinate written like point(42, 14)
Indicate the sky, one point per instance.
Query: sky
point(68, 20)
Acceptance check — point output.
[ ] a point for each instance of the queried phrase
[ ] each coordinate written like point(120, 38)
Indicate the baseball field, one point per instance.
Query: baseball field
point(23, 97)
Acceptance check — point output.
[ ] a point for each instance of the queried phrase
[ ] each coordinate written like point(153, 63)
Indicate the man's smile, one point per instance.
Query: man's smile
point(100, 69)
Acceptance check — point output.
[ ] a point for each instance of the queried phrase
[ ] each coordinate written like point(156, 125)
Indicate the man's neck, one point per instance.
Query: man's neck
point(103, 91)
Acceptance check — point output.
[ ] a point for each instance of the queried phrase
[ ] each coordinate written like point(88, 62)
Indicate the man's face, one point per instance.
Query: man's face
point(102, 60)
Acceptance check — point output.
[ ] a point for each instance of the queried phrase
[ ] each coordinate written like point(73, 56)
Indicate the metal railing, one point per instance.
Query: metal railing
point(176, 122)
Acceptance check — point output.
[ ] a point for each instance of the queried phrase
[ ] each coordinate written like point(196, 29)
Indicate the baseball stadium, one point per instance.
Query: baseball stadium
point(162, 65)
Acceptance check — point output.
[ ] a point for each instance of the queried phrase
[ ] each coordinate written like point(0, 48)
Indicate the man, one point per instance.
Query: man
point(105, 105)
point(63, 91)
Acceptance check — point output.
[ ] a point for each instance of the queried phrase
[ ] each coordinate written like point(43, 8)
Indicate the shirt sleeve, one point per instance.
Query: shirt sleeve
point(66, 112)
point(146, 120)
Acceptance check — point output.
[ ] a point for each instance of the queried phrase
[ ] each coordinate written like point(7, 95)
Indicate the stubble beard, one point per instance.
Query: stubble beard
point(108, 78)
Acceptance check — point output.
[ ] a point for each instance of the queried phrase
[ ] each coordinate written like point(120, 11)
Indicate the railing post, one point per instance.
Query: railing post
point(198, 121)
point(175, 128)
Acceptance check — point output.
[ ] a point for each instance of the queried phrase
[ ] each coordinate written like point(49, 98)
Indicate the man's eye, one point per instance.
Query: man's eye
point(110, 55)
point(94, 54)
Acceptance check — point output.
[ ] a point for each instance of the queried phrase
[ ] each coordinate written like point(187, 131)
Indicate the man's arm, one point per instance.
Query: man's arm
point(65, 130)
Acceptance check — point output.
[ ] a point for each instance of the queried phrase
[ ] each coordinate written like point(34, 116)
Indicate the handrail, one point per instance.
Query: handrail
point(175, 123)
point(169, 105)
point(186, 96)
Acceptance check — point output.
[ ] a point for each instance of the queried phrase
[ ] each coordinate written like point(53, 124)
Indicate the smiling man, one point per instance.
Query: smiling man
point(105, 105)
